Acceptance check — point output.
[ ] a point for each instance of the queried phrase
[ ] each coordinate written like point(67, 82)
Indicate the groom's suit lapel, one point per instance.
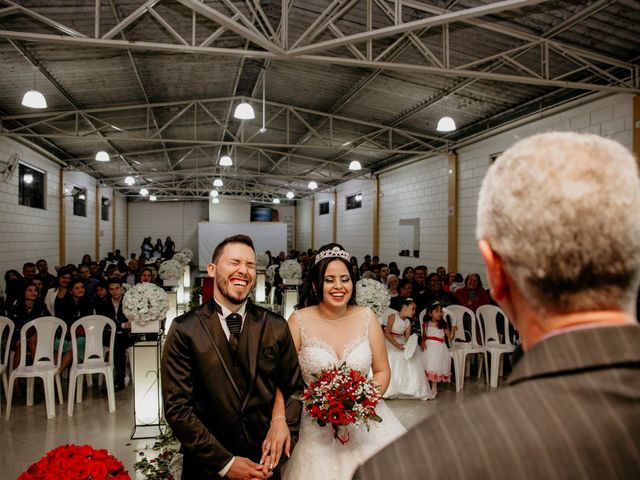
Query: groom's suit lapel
point(211, 325)
point(253, 329)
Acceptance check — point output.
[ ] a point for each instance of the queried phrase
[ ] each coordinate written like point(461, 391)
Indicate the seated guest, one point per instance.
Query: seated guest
point(88, 281)
point(86, 260)
point(455, 282)
point(14, 284)
point(435, 293)
point(27, 307)
point(472, 295)
point(74, 305)
point(55, 294)
point(408, 273)
point(102, 292)
point(133, 271)
point(392, 285)
point(112, 308)
point(48, 280)
point(383, 272)
point(29, 271)
point(393, 268)
point(405, 290)
point(558, 228)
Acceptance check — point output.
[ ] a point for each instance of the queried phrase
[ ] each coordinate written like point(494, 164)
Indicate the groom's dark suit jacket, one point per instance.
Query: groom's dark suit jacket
point(217, 403)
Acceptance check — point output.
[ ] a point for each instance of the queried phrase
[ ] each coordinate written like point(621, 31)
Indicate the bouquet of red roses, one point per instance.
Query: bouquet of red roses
point(76, 462)
point(341, 396)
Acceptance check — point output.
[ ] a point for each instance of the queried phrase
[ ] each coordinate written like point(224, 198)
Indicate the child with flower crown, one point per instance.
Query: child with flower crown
point(435, 354)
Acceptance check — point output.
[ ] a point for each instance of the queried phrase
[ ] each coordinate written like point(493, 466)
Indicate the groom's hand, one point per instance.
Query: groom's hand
point(244, 469)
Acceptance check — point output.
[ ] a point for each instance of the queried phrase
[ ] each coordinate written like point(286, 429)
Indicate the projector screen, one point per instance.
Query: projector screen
point(265, 236)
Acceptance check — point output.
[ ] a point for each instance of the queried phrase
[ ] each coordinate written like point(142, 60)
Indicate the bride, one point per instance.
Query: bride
point(332, 331)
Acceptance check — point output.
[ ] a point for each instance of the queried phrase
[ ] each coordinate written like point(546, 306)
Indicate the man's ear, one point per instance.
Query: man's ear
point(495, 271)
point(211, 270)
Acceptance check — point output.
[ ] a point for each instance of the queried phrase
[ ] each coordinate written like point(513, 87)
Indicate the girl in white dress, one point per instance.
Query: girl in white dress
point(436, 358)
point(407, 372)
point(331, 332)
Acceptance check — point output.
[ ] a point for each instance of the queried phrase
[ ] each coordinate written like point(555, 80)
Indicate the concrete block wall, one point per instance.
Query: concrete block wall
point(80, 230)
point(179, 220)
point(303, 224)
point(323, 223)
point(610, 117)
point(419, 190)
point(355, 227)
point(27, 234)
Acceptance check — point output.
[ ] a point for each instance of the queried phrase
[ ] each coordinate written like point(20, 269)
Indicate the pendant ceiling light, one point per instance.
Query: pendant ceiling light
point(102, 156)
point(446, 123)
point(290, 195)
point(215, 200)
point(264, 103)
point(27, 178)
point(129, 180)
point(244, 111)
point(225, 161)
point(217, 182)
point(312, 185)
point(144, 192)
point(355, 165)
point(153, 198)
point(33, 98)
point(213, 193)
point(276, 201)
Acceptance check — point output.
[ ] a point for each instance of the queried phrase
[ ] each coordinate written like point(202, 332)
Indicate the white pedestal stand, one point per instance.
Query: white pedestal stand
point(289, 297)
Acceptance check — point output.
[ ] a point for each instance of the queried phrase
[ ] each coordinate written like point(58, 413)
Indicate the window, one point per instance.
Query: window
point(324, 208)
point(354, 201)
point(80, 201)
point(104, 208)
point(31, 187)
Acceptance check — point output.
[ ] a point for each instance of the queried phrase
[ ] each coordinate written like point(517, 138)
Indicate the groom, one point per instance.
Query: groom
point(221, 366)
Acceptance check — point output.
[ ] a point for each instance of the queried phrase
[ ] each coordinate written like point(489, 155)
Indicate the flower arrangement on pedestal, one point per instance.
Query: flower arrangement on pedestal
point(170, 270)
point(187, 253)
point(181, 258)
point(262, 261)
point(373, 294)
point(145, 303)
point(291, 270)
point(76, 462)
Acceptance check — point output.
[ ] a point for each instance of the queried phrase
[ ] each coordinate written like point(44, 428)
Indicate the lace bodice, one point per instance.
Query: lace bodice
point(317, 354)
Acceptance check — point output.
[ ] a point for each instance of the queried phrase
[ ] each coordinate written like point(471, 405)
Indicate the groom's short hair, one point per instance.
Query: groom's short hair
point(241, 238)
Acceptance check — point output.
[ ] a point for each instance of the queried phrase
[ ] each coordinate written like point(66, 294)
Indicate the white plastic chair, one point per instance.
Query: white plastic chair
point(460, 346)
point(44, 365)
point(94, 358)
point(5, 325)
point(494, 345)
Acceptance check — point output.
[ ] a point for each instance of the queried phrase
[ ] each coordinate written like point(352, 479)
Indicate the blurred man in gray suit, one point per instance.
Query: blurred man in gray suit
point(559, 231)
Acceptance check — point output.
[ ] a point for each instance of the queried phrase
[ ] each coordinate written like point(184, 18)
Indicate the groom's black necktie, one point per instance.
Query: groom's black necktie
point(234, 322)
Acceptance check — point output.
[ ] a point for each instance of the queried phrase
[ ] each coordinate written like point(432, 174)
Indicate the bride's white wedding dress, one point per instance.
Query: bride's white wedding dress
point(318, 455)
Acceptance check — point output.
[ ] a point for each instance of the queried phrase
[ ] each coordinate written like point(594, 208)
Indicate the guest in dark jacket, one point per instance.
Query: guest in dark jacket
point(112, 308)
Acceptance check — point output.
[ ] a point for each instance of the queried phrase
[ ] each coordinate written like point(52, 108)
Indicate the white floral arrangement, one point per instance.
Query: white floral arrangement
point(262, 261)
point(187, 253)
point(170, 270)
point(182, 258)
point(373, 294)
point(145, 303)
point(291, 270)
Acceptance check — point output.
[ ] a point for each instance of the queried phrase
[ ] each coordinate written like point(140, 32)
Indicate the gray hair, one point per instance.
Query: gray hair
point(563, 212)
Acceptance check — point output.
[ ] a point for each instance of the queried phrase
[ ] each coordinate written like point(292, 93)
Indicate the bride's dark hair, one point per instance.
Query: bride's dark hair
point(312, 289)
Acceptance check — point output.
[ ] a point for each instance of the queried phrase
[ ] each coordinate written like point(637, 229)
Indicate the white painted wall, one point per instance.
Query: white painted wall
point(81, 230)
point(355, 227)
point(323, 223)
point(303, 224)
point(610, 117)
point(418, 191)
point(230, 210)
point(27, 234)
point(179, 220)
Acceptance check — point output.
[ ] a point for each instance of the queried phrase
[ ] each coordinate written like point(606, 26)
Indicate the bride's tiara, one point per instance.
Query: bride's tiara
point(334, 252)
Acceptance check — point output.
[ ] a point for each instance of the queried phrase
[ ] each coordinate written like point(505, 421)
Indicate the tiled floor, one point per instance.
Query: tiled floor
point(28, 435)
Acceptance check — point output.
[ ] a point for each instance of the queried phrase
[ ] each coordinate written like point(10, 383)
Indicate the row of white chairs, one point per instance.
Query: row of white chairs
point(484, 340)
point(46, 362)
